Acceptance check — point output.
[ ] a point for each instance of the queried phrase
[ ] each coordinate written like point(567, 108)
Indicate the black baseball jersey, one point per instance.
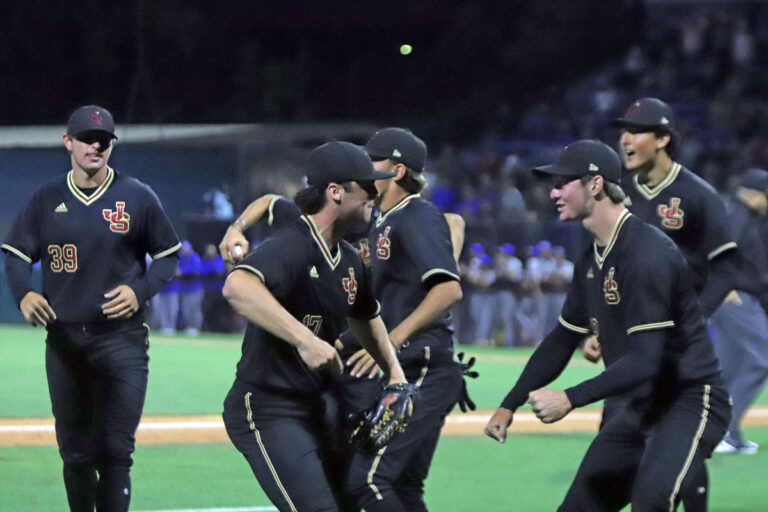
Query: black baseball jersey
point(90, 243)
point(619, 290)
point(689, 211)
point(411, 249)
point(752, 269)
point(319, 286)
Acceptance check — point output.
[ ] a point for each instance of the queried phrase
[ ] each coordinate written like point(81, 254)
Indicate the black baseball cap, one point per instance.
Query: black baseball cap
point(338, 161)
point(91, 118)
point(756, 179)
point(400, 145)
point(647, 113)
point(585, 158)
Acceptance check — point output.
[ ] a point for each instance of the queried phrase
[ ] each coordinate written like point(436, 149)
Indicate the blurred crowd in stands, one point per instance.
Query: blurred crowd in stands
point(708, 66)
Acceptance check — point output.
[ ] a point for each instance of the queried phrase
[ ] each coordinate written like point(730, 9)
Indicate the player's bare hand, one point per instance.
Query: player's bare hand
point(233, 246)
point(36, 309)
point(121, 303)
point(320, 356)
point(362, 364)
point(549, 405)
point(591, 349)
point(498, 424)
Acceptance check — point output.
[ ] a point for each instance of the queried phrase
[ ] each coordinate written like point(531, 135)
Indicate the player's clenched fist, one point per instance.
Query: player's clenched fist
point(549, 405)
point(498, 424)
point(591, 350)
point(319, 356)
point(36, 309)
point(233, 245)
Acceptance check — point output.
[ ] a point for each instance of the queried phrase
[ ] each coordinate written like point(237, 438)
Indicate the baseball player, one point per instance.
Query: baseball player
point(91, 230)
point(740, 327)
point(415, 277)
point(633, 288)
point(684, 206)
point(298, 290)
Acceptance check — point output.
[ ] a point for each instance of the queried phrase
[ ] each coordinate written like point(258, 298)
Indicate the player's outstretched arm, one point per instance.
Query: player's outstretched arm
point(249, 297)
point(372, 335)
point(234, 245)
point(498, 424)
point(440, 298)
point(456, 226)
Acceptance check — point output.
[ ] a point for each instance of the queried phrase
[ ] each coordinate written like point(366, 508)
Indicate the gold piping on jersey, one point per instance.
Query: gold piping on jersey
point(712, 255)
point(270, 212)
point(399, 206)
point(650, 327)
point(692, 451)
point(612, 239)
point(166, 252)
point(648, 192)
point(264, 453)
point(574, 328)
point(17, 253)
point(375, 465)
point(427, 357)
point(378, 310)
point(434, 271)
point(252, 270)
point(332, 261)
point(88, 200)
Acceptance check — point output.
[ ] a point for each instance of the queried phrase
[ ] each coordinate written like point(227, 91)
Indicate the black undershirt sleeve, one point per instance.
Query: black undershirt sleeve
point(19, 273)
point(544, 366)
point(640, 364)
point(721, 279)
point(160, 272)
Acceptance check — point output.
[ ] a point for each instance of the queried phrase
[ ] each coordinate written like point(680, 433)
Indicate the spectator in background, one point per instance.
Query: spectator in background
point(555, 286)
point(481, 276)
point(509, 276)
point(190, 290)
point(165, 305)
point(217, 203)
point(215, 307)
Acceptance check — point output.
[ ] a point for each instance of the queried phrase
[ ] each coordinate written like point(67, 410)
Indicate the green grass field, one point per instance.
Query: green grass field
point(529, 473)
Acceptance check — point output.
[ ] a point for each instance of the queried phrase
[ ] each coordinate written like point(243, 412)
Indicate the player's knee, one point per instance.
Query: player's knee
point(116, 453)
point(649, 496)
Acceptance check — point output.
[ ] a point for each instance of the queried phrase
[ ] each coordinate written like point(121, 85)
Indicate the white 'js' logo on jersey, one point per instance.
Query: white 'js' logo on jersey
point(119, 221)
point(611, 289)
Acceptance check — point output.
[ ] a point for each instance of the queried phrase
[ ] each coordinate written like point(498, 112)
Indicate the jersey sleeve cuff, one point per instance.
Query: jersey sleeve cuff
point(16, 252)
point(651, 327)
point(714, 254)
point(439, 271)
point(574, 328)
point(167, 252)
point(252, 270)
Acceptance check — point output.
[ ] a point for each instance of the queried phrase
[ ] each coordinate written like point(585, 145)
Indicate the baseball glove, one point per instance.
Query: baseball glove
point(466, 371)
point(377, 426)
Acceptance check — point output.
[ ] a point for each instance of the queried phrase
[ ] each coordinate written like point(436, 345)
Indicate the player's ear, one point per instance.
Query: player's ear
point(663, 141)
point(333, 192)
point(67, 142)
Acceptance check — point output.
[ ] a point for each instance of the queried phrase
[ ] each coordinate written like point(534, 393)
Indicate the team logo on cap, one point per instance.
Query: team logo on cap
point(664, 120)
point(119, 221)
point(671, 215)
point(350, 286)
point(611, 289)
point(96, 117)
point(396, 153)
point(593, 167)
point(382, 244)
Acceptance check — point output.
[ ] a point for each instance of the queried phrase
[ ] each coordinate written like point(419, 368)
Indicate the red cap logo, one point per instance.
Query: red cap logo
point(96, 118)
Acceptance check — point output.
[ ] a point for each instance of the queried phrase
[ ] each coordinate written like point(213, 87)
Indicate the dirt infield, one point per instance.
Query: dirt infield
point(210, 429)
